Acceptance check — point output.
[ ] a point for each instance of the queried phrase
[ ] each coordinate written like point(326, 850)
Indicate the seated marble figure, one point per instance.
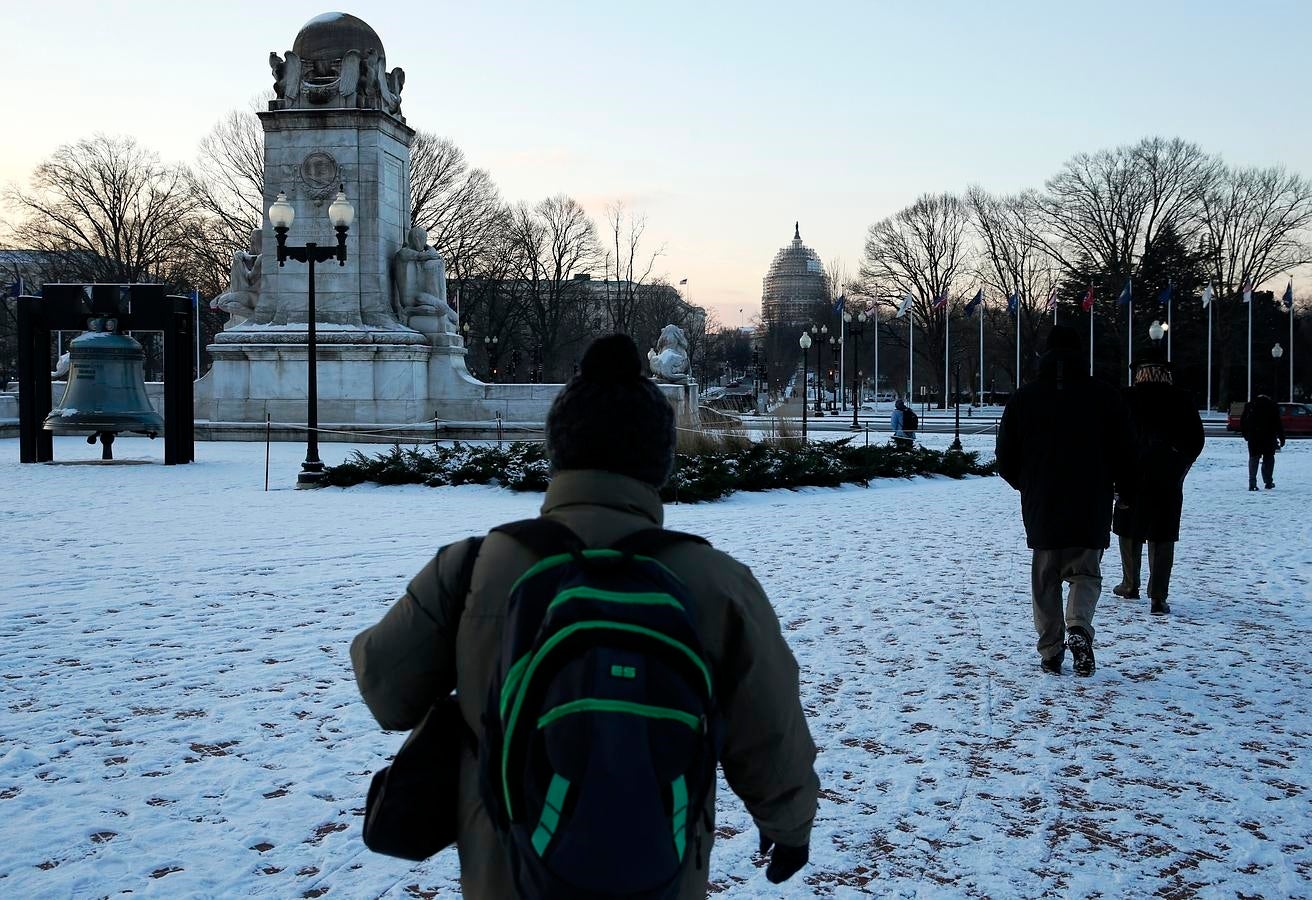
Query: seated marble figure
point(419, 282)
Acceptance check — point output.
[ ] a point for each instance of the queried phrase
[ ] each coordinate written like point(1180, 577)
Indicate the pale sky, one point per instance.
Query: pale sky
point(723, 122)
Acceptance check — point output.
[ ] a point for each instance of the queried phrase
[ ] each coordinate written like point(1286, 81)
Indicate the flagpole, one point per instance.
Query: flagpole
point(1017, 296)
point(1209, 355)
point(947, 340)
point(1250, 345)
point(979, 389)
point(911, 354)
point(876, 351)
point(1090, 342)
point(1291, 349)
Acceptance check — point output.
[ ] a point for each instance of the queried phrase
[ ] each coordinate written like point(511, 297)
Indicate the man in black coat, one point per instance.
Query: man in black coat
point(1170, 438)
point(1066, 443)
point(1262, 428)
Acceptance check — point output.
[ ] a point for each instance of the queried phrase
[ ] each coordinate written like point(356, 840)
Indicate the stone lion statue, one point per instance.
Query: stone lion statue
point(669, 361)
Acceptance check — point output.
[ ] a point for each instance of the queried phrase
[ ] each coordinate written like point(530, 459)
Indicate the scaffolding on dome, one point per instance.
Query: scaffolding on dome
point(794, 284)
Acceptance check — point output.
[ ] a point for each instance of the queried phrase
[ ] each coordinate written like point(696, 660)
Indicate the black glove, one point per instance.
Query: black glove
point(785, 862)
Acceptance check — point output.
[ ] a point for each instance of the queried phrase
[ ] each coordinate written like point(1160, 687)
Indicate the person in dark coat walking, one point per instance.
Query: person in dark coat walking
point(1066, 443)
point(1261, 427)
point(1170, 438)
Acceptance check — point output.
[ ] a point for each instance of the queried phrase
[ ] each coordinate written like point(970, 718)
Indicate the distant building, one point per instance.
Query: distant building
point(794, 285)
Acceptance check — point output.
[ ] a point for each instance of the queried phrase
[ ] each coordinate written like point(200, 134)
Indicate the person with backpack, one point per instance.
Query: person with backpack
point(1066, 443)
point(602, 666)
point(1170, 438)
point(904, 422)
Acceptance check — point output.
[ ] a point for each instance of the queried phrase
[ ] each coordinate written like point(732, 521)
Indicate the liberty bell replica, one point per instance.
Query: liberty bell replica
point(106, 391)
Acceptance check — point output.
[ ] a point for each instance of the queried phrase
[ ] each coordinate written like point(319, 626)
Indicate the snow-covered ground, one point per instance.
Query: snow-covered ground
point(178, 717)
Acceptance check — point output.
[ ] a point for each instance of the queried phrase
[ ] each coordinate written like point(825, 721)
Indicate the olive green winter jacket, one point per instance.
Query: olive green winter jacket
point(433, 641)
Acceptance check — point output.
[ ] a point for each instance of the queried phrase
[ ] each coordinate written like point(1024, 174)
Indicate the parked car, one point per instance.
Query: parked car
point(1295, 417)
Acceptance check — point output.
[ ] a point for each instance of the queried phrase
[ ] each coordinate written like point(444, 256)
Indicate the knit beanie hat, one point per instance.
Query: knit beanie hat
point(611, 417)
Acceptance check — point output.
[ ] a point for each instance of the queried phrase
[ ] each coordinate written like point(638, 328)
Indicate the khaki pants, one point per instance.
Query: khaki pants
point(1161, 557)
point(1081, 568)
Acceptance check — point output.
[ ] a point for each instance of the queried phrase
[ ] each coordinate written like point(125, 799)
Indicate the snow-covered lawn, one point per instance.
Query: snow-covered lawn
point(178, 717)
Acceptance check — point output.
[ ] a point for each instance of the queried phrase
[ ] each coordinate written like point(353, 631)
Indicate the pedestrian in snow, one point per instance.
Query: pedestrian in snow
point(1169, 432)
point(1262, 429)
point(904, 424)
point(610, 439)
point(1066, 443)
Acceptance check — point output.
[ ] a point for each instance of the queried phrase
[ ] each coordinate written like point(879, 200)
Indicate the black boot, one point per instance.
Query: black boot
point(1081, 647)
point(1052, 665)
point(1160, 607)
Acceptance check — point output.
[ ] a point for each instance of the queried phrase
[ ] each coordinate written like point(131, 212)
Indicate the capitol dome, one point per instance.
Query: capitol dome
point(795, 284)
point(330, 35)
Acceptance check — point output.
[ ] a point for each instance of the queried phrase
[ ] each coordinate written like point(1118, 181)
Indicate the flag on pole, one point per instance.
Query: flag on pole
point(683, 281)
point(840, 304)
point(15, 290)
point(1165, 296)
point(1087, 303)
point(1207, 295)
point(1051, 303)
point(975, 302)
point(1248, 290)
point(1013, 303)
point(1127, 294)
point(941, 300)
point(1288, 297)
point(904, 305)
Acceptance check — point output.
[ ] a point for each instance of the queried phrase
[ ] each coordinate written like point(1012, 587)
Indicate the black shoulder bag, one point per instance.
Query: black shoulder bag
point(412, 808)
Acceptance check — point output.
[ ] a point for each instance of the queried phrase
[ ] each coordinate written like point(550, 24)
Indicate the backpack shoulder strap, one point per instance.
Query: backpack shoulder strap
point(651, 541)
point(545, 537)
point(472, 546)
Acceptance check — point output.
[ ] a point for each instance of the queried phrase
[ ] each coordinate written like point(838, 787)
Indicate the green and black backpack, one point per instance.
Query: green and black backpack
point(599, 744)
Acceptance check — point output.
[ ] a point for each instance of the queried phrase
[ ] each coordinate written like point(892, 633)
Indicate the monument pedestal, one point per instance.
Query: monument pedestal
point(364, 377)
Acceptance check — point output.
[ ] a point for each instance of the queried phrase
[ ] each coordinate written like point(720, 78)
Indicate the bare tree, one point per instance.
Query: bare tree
point(1111, 206)
point(629, 263)
point(1257, 223)
point(227, 185)
point(1012, 257)
point(550, 244)
point(114, 210)
point(460, 207)
point(923, 250)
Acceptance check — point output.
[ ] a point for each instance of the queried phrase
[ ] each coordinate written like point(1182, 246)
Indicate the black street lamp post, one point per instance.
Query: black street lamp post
point(805, 343)
point(857, 325)
point(818, 334)
point(1276, 352)
point(956, 437)
point(491, 346)
point(341, 214)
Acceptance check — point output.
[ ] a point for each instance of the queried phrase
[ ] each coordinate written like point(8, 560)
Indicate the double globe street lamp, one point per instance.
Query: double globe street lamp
point(340, 213)
point(1157, 331)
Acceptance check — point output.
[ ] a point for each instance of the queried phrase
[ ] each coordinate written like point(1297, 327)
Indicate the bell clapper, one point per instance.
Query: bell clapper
point(106, 443)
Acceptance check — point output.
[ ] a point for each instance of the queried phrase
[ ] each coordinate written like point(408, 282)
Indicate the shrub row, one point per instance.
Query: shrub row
point(707, 474)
